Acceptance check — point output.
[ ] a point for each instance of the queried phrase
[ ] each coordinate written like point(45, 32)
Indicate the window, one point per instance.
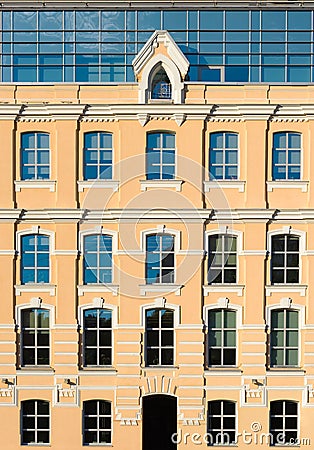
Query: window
point(222, 334)
point(97, 156)
point(35, 156)
point(35, 422)
point(223, 156)
point(97, 259)
point(160, 156)
point(96, 422)
point(34, 258)
point(284, 422)
point(161, 86)
point(287, 156)
point(35, 337)
point(284, 338)
point(285, 259)
point(221, 422)
point(222, 259)
point(97, 337)
point(160, 258)
point(159, 337)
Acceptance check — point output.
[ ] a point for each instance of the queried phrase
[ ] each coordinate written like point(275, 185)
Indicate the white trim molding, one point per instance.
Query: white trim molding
point(36, 288)
point(288, 230)
point(98, 288)
point(161, 302)
point(289, 184)
point(98, 303)
point(98, 184)
point(286, 289)
point(224, 184)
point(161, 184)
point(226, 288)
point(223, 303)
point(147, 62)
point(98, 229)
point(35, 302)
point(161, 229)
point(164, 288)
point(35, 184)
point(36, 229)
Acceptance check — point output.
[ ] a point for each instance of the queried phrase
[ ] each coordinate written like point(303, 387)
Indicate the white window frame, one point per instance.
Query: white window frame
point(284, 420)
point(221, 419)
point(161, 150)
point(35, 132)
point(36, 303)
point(36, 416)
point(225, 180)
point(98, 417)
point(286, 303)
point(99, 303)
point(291, 180)
point(104, 180)
point(285, 230)
point(159, 329)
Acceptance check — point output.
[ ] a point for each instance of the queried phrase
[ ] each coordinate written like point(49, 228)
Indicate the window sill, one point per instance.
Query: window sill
point(214, 371)
point(113, 288)
point(158, 368)
point(236, 288)
point(98, 184)
point(287, 184)
point(35, 287)
point(105, 370)
point(35, 184)
point(32, 369)
point(224, 184)
point(282, 370)
point(286, 288)
point(161, 287)
point(161, 184)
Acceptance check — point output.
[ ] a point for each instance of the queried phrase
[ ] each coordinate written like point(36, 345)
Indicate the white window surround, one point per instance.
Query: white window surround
point(98, 184)
point(98, 229)
point(297, 287)
point(34, 303)
point(223, 303)
point(164, 288)
point(224, 184)
point(35, 184)
point(160, 303)
point(36, 230)
point(161, 229)
point(287, 303)
point(35, 288)
point(225, 287)
point(288, 230)
point(98, 289)
point(287, 184)
point(161, 184)
point(98, 303)
point(175, 65)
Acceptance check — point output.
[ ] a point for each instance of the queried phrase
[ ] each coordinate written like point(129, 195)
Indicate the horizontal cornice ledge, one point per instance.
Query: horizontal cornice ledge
point(244, 112)
point(258, 215)
point(51, 112)
point(10, 112)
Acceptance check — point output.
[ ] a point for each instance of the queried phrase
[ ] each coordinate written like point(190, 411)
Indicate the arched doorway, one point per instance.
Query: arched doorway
point(159, 422)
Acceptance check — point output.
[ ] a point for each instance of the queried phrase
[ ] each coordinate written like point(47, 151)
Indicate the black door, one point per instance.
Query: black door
point(159, 422)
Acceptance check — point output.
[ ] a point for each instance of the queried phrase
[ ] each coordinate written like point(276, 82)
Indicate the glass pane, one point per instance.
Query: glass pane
point(215, 319)
point(230, 338)
point(292, 357)
point(292, 338)
point(277, 319)
point(292, 319)
point(230, 319)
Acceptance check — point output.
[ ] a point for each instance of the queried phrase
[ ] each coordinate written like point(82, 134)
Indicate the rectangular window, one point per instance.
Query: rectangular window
point(35, 337)
point(222, 342)
point(284, 338)
point(159, 337)
point(221, 422)
point(35, 156)
point(160, 156)
point(97, 337)
point(284, 422)
point(285, 259)
point(286, 156)
point(97, 156)
point(97, 422)
point(222, 262)
point(35, 258)
point(223, 156)
point(159, 258)
point(35, 422)
point(97, 259)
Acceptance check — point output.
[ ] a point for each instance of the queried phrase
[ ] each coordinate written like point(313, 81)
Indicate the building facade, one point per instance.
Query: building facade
point(157, 236)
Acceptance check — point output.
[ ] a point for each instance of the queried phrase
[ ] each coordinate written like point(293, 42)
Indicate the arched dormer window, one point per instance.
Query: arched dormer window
point(161, 87)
